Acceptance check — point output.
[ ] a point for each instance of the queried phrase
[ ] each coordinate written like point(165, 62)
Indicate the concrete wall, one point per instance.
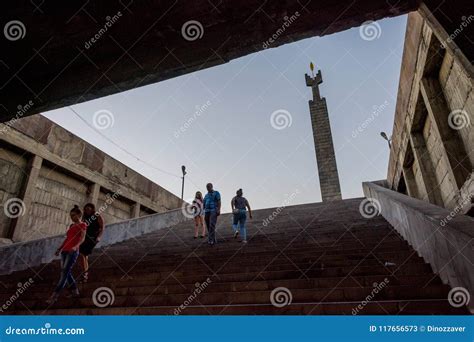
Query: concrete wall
point(444, 180)
point(418, 182)
point(55, 193)
point(12, 176)
point(232, 29)
point(24, 255)
point(458, 91)
point(118, 210)
point(49, 170)
point(436, 85)
point(441, 238)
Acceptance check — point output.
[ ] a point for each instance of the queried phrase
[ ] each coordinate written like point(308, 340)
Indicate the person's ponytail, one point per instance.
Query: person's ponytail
point(76, 210)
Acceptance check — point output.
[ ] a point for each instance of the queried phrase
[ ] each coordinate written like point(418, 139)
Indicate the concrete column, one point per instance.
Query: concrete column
point(427, 170)
point(136, 210)
point(453, 147)
point(410, 182)
point(17, 230)
point(94, 191)
point(444, 19)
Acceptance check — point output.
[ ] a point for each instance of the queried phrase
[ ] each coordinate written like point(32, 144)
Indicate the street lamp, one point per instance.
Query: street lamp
point(183, 169)
point(389, 140)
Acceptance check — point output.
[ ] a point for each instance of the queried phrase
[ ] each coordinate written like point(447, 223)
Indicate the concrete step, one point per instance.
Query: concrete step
point(251, 273)
point(303, 261)
point(233, 251)
point(209, 297)
point(414, 307)
point(222, 284)
point(328, 256)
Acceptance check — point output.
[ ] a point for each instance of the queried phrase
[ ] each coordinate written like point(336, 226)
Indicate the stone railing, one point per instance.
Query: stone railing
point(23, 255)
point(443, 239)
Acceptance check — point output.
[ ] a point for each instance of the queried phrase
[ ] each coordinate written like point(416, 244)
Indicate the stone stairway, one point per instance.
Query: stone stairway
point(327, 257)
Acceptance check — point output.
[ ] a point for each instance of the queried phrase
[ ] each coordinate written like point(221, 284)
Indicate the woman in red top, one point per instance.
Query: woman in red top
point(69, 251)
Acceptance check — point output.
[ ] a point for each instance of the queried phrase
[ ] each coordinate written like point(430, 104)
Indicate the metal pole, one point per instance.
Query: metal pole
point(183, 169)
point(389, 140)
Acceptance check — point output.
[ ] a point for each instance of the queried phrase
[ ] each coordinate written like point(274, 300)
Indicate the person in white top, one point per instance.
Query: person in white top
point(198, 210)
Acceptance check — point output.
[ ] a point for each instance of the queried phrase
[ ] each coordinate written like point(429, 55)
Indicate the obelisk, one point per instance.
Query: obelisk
point(325, 156)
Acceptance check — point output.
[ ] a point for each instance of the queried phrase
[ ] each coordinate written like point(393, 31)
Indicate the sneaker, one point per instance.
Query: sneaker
point(202, 236)
point(74, 294)
point(236, 234)
point(244, 241)
point(53, 299)
point(84, 278)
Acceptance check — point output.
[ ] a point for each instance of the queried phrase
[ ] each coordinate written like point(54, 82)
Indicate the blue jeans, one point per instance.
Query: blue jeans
point(239, 222)
point(68, 259)
point(211, 221)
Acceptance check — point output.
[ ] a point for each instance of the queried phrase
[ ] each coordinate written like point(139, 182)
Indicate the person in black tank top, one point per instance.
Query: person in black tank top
point(239, 205)
point(95, 228)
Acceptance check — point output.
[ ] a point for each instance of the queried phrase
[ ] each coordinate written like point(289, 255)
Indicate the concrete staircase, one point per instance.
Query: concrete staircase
point(329, 257)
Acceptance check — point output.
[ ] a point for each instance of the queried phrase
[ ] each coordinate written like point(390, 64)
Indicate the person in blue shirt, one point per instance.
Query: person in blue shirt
point(212, 209)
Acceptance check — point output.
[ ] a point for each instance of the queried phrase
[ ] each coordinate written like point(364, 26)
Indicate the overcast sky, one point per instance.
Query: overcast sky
point(218, 121)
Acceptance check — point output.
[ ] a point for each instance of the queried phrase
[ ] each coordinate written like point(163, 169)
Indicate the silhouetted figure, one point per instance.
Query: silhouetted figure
point(95, 229)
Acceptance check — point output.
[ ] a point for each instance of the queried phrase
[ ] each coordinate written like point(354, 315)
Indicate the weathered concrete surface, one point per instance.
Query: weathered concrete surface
point(12, 177)
point(23, 255)
point(467, 196)
point(446, 242)
point(56, 64)
point(453, 18)
point(51, 170)
point(434, 118)
point(323, 143)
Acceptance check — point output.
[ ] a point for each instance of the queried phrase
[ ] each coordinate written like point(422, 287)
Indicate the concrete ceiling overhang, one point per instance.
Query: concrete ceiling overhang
point(66, 52)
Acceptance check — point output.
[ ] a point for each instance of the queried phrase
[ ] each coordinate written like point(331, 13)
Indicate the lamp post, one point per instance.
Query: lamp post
point(385, 136)
point(183, 169)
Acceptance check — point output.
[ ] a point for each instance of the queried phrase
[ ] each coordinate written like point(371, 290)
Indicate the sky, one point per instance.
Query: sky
point(246, 124)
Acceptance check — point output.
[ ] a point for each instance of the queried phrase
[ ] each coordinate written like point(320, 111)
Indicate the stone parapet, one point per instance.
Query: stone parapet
point(24, 255)
point(444, 240)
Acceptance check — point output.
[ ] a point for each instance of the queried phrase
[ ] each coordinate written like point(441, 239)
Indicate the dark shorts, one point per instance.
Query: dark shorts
point(87, 246)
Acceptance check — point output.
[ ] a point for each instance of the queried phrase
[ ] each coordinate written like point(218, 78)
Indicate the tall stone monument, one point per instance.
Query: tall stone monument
point(325, 156)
